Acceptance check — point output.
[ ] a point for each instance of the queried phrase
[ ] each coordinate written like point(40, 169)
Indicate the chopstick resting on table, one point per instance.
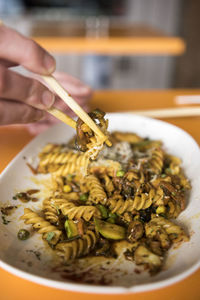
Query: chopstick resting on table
point(62, 93)
point(188, 111)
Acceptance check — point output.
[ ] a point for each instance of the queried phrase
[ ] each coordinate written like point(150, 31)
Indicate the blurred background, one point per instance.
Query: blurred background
point(115, 44)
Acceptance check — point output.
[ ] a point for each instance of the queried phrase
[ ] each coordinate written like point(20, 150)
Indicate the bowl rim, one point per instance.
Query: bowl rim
point(97, 289)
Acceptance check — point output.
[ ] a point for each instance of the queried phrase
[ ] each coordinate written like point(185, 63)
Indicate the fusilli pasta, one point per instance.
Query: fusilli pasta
point(131, 194)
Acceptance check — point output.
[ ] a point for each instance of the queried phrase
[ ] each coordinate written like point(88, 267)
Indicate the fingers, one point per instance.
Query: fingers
point(24, 51)
point(74, 86)
point(39, 127)
point(7, 63)
point(12, 112)
point(48, 121)
point(24, 89)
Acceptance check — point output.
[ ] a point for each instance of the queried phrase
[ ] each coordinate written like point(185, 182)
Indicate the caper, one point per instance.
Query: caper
point(23, 234)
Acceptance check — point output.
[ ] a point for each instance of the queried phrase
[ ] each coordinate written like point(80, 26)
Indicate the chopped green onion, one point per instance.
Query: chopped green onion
point(50, 236)
point(111, 220)
point(120, 173)
point(163, 175)
point(112, 215)
point(84, 197)
point(103, 210)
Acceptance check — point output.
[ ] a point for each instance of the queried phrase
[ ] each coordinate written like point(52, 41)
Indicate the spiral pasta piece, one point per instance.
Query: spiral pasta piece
point(156, 160)
point(76, 212)
point(50, 148)
point(96, 191)
point(80, 247)
point(85, 212)
point(73, 196)
point(64, 163)
point(141, 201)
point(77, 163)
point(63, 204)
point(51, 211)
point(43, 226)
point(108, 185)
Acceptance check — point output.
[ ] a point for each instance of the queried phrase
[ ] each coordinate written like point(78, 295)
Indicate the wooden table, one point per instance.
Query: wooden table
point(12, 141)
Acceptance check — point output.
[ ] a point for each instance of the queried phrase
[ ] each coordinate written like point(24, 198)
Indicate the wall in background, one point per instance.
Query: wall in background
point(121, 72)
point(187, 71)
point(144, 72)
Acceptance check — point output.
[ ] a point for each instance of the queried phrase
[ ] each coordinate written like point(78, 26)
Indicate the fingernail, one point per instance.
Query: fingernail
point(48, 98)
point(49, 63)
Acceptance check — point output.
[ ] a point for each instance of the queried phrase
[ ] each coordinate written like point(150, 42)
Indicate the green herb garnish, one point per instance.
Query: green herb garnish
point(120, 173)
point(103, 211)
point(50, 236)
point(84, 197)
point(163, 175)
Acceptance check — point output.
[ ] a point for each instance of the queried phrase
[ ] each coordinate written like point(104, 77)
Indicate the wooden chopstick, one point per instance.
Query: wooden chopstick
point(188, 111)
point(62, 117)
point(62, 93)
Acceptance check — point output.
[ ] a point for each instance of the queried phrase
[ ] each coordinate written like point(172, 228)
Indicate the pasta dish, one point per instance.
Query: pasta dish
point(132, 191)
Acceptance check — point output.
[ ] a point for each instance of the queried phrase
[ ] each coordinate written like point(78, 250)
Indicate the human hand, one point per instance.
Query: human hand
point(79, 91)
point(22, 99)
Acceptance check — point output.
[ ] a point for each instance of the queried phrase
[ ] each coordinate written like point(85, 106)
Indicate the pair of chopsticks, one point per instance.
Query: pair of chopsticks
point(62, 93)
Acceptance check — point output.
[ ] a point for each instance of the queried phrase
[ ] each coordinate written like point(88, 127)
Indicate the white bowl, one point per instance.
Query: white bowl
point(17, 258)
